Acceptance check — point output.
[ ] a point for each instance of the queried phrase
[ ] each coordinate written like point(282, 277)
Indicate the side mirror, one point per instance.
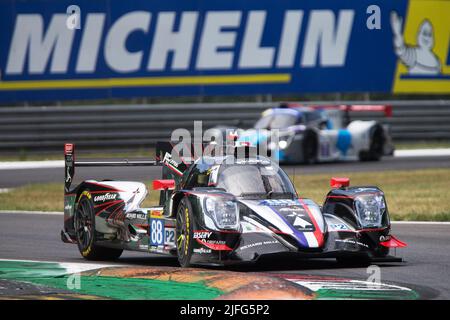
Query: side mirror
point(168, 184)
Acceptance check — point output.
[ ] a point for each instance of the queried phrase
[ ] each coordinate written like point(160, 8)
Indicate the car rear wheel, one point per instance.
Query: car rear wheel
point(184, 233)
point(84, 223)
point(375, 151)
point(309, 149)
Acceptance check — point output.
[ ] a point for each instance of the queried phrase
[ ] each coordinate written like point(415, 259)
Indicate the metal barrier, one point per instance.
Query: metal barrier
point(123, 127)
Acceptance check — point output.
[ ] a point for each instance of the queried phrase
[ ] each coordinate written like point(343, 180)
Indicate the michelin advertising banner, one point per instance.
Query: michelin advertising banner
point(58, 49)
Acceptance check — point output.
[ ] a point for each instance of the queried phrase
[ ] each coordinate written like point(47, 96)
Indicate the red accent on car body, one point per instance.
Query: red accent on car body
point(371, 108)
point(339, 182)
point(168, 184)
point(68, 148)
point(317, 232)
point(393, 242)
point(215, 246)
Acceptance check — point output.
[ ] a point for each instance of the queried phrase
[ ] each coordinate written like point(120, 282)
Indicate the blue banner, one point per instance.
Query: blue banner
point(58, 49)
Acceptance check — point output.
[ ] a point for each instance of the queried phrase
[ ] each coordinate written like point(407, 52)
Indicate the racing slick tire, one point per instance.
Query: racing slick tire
point(84, 225)
point(184, 233)
point(310, 148)
point(376, 148)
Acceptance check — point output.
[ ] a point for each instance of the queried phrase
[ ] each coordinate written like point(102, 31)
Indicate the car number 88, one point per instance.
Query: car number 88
point(156, 232)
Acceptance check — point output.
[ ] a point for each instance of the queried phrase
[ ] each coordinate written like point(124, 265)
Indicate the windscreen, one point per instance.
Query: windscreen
point(276, 121)
point(255, 181)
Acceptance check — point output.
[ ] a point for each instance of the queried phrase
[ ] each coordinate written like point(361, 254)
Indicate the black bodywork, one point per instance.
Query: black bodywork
point(207, 214)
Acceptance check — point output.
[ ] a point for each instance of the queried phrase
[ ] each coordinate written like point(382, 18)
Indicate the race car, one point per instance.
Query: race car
point(234, 207)
point(309, 134)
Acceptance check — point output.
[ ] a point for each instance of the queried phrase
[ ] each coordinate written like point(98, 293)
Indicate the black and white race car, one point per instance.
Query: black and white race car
point(223, 209)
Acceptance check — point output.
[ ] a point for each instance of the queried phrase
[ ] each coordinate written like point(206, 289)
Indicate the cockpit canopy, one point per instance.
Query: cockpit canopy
point(281, 118)
point(254, 178)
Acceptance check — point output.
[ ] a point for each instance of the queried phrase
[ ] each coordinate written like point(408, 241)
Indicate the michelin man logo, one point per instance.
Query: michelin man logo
point(419, 59)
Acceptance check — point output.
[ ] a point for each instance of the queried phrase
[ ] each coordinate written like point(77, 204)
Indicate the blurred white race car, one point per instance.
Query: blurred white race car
point(309, 134)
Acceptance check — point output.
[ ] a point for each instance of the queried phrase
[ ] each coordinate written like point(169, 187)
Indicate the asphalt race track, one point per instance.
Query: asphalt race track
point(425, 270)
point(18, 177)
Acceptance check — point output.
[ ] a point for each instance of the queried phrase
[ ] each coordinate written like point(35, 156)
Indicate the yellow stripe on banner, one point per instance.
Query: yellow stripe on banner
point(145, 82)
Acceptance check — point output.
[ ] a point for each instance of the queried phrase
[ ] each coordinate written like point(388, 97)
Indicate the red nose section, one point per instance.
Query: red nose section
point(339, 182)
point(163, 184)
point(393, 242)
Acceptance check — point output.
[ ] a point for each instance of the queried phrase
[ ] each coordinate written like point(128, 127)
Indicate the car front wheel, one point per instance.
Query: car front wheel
point(184, 233)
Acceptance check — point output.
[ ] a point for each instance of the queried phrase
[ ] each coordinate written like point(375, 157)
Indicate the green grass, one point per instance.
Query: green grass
point(422, 144)
point(410, 194)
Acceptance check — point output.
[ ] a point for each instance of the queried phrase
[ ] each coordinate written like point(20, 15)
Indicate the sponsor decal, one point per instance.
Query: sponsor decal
point(136, 215)
point(351, 241)
point(158, 249)
point(169, 236)
point(214, 244)
point(105, 197)
point(171, 163)
point(337, 227)
point(257, 244)
point(421, 44)
point(156, 212)
point(278, 202)
point(173, 48)
point(385, 238)
point(202, 251)
point(202, 234)
point(296, 216)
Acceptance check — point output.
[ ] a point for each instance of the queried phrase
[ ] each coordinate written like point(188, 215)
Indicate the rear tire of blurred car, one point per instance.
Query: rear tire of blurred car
point(184, 233)
point(84, 223)
point(309, 148)
point(375, 151)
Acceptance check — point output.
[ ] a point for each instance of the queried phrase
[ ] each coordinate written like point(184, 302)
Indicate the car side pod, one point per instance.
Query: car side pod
point(393, 242)
point(336, 182)
point(168, 184)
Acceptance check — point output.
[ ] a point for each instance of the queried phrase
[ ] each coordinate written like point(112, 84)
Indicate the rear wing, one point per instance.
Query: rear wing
point(176, 157)
point(387, 109)
point(70, 163)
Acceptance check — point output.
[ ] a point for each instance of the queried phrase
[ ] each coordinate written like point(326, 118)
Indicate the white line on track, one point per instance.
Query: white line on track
point(17, 165)
point(71, 267)
point(421, 222)
point(422, 153)
point(33, 212)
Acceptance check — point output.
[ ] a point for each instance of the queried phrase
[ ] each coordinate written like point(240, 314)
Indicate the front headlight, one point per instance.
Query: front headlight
point(370, 210)
point(282, 144)
point(224, 212)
